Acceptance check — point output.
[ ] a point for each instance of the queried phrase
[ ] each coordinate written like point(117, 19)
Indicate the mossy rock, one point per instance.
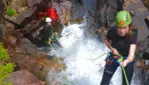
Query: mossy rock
point(11, 12)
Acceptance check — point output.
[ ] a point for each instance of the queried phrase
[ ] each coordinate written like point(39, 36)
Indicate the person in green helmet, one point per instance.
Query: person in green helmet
point(121, 39)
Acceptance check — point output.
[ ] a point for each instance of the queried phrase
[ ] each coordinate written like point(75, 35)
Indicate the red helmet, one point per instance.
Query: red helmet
point(51, 12)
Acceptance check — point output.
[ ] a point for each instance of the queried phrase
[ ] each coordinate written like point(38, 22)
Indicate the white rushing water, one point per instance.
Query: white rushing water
point(81, 52)
point(81, 55)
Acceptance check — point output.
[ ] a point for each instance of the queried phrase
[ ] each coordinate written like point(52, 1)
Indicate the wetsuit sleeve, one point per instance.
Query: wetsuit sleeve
point(134, 39)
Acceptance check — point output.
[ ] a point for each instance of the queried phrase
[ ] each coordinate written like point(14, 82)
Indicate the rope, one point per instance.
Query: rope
point(61, 66)
point(120, 60)
point(125, 75)
point(98, 57)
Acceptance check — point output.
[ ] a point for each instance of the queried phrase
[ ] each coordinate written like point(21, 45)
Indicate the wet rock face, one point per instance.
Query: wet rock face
point(24, 78)
point(113, 6)
point(146, 2)
point(106, 11)
point(1, 19)
point(36, 62)
point(139, 19)
point(143, 62)
point(32, 13)
point(32, 3)
point(28, 46)
point(34, 28)
point(145, 77)
point(143, 48)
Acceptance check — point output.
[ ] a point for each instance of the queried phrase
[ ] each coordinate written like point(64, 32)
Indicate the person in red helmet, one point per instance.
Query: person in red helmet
point(52, 16)
point(121, 40)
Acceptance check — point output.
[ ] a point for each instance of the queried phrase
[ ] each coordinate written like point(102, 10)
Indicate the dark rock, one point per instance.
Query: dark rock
point(1, 19)
point(32, 13)
point(146, 3)
point(101, 17)
point(77, 11)
point(1, 7)
point(63, 10)
point(141, 72)
point(145, 77)
point(35, 29)
point(146, 55)
point(78, 1)
point(1, 32)
point(28, 46)
point(143, 48)
point(139, 19)
point(113, 6)
point(36, 63)
point(37, 32)
point(142, 62)
point(100, 4)
point(106, 11)
point(147, 21)
point(32, 3)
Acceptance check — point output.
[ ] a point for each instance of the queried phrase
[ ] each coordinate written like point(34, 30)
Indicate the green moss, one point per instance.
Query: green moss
point(11, 12)
point(5, 71)
point(3, 53)
point(6, 68)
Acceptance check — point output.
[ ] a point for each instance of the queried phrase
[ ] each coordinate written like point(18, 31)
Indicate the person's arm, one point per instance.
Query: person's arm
point(132, 50)
point(113, 50)
point(131, 54)
point(107, 42)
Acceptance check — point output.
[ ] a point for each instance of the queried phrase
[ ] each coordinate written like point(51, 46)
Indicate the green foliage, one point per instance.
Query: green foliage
point(3, 53)
point(5, 71)
point(11, 11)
point(6, 68)
point(8, 10)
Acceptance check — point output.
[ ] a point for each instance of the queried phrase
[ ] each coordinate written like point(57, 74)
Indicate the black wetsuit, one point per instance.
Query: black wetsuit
point(122, 44)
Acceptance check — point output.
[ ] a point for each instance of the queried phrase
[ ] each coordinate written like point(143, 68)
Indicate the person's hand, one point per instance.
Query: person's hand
point(57, 34)
point(115, 52)
point(124, 63)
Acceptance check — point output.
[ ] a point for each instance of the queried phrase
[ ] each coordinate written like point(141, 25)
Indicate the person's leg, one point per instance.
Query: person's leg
point(108, 73)
point(129, 72)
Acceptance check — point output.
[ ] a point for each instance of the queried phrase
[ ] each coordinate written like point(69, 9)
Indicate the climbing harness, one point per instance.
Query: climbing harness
point(53, 38)
point(61, 66)
point(109, 59)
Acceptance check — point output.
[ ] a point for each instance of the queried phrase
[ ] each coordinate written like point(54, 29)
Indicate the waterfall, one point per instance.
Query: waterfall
point(82, 54)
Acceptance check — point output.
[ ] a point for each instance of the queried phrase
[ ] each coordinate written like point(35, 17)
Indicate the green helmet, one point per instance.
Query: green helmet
point(123, 18)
